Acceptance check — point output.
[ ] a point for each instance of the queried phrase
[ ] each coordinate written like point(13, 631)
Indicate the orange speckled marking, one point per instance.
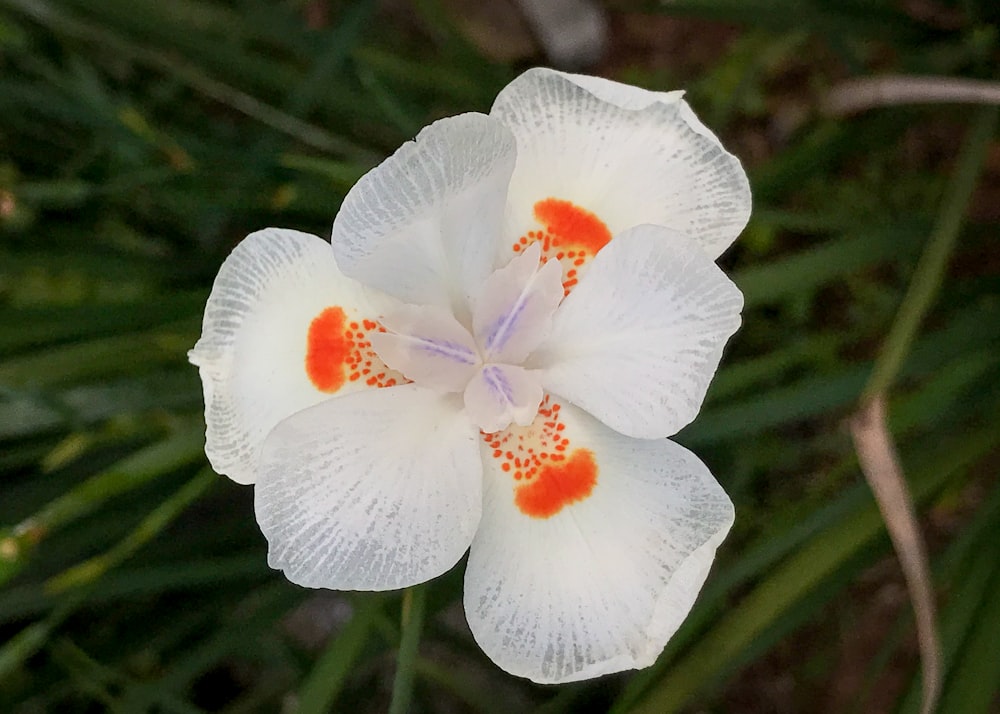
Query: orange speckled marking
point(338, 351)
point(571, 234)
point(558, 486)
point(549, 474)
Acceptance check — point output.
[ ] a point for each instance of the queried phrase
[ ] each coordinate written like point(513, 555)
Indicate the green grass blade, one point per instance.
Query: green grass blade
point(326, 679)
point(414, 606)
point(726, 644)
point(930, 270)
point(156, 521)
point(975, 680)
point(179, 449)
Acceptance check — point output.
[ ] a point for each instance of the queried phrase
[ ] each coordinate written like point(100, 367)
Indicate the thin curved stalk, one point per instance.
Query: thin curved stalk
point(414, 605)
point(858, 95)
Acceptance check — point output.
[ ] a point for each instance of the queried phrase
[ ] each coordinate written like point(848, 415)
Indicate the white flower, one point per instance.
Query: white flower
point(424, 387)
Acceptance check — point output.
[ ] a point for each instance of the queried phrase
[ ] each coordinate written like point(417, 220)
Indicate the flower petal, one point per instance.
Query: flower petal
point(427, 345)
point(628, 96)
point(638, 341)
point(586, 562)
point(283, 330)
point(500, 394)
point(373, 491)
point(513, 311)
point(617, 158)
point(424, 225)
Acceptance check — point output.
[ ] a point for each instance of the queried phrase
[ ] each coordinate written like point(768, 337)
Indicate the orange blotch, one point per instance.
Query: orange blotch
point(570, 234)
point(338, 352)
point(571, 225)
point(328, 348)
point(548, 474)
point(557, 486)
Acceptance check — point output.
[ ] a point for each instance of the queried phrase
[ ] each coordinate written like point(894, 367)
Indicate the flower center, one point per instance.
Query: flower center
point(511, 316)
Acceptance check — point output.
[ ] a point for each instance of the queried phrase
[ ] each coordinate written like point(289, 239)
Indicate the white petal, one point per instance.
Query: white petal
point(423, 226)
point(599, 151)
point(513, 311)
point(374, 491)
point(501, 394)
point(283, 330)
point(628, 96)
point(427, 345)
point(587, 565)
point(638, 341)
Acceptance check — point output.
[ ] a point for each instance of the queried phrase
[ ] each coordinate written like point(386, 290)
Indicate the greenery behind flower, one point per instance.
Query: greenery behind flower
point(140, 141)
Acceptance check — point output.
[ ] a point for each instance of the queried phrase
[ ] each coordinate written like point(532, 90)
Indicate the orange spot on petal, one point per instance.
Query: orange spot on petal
point(336, 353)
point(558, 486)
point(327, 350)
point(570, 224)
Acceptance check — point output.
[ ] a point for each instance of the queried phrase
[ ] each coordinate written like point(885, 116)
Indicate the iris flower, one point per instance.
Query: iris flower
point(513, 313)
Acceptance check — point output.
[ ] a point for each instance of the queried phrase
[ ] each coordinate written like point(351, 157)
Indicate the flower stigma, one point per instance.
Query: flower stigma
point(511, 315)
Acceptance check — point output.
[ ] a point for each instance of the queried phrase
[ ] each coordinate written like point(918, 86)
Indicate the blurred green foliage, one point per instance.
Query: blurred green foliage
point(140, 141)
